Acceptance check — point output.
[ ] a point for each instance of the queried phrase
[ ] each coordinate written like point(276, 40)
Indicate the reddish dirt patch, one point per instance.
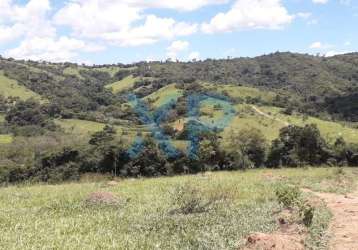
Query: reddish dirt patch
point(290, 236)
point(102, 198)
point(344, 225)
point(276, 241)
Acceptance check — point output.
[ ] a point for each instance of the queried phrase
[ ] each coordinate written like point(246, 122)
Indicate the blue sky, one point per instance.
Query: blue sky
point(112, 31)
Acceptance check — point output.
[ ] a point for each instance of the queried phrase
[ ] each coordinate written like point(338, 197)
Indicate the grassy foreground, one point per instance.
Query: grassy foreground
point(58, 217)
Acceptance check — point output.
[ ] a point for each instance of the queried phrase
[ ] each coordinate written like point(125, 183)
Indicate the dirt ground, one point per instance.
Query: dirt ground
point(343, 229)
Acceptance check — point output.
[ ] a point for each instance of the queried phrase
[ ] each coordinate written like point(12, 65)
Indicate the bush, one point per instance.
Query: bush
point(307, 213)
point(291, 197)
point(189, 200)
point(288, 196)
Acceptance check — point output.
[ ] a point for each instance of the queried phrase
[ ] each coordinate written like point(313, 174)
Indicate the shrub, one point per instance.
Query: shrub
point(291, 197)
point(188, 200)
point(307, 213)
point(288, 196)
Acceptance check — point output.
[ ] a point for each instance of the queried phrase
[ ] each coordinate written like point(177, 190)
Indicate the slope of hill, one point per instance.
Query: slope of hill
point(124, 84)
point(11, 88)
point(313, 82)
point(166, 115)
point(164, 96)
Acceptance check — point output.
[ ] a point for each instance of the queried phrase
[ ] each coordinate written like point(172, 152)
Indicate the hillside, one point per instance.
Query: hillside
point(163, 118)
point(9, 87)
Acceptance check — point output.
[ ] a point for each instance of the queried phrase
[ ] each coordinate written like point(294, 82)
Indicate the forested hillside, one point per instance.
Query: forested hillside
point(58, 121)
point(313, 84)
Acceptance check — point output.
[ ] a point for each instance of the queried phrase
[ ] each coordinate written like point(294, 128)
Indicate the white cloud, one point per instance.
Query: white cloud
point(50, 49)
point(153, 30)
point(320, 45)
point(93, 18)
point(320, 1)
point(10, 33)
point(250, 14)
point(194, 56)
point(117, 21)
point(316, 45)
point(24, 20)
point(181, 5)
point(175, 48)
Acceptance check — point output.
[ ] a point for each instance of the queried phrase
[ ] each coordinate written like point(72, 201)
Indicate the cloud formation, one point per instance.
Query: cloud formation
point(74, 26)
point(175, 48)
point(250, 14)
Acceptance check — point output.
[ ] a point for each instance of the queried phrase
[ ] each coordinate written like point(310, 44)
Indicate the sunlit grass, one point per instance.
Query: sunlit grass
point(6, 139)
point(122, 85)
point(243, 92)
point(330, 130)
point(165, 95)
point(9, 87)
point(56, 216)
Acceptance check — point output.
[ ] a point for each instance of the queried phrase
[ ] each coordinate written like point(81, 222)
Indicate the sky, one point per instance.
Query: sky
point(126, 31)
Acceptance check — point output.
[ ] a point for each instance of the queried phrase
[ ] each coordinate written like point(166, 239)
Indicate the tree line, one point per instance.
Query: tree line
point(105, 153)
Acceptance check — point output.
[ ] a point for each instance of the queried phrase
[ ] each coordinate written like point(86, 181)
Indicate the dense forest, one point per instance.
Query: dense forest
point(162, 118)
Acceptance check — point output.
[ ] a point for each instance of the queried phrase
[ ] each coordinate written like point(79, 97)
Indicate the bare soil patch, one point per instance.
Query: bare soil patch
point(106, 198)
point(290, 236)
point(343, 229)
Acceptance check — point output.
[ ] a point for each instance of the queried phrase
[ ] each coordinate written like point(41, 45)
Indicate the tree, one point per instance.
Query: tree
point(25, 113)
point(248, 147)
point(297, 146)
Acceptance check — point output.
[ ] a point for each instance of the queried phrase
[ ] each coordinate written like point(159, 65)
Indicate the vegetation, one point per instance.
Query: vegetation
point(144, 217)
point(6, 139)
point(9, 87)
point(124, 84)
point(79, 126)
point(173, 118)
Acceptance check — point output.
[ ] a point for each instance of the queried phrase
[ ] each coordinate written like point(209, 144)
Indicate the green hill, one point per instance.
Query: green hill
point(164, 95)
point(9, 87)
point(125, 84)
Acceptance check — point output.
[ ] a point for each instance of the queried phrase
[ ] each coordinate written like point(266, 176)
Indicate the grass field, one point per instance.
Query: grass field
point(113, 69)
point(271, 124)
point(122, 85)
point(73, 71)
point(57, 216)
point(6, 139)
point(235, 91)
point(80, 126)
point(330, 130)
point(165, 95)
point(9, 87)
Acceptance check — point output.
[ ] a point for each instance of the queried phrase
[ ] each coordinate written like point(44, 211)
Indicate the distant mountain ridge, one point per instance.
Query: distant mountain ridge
point(311, 84)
